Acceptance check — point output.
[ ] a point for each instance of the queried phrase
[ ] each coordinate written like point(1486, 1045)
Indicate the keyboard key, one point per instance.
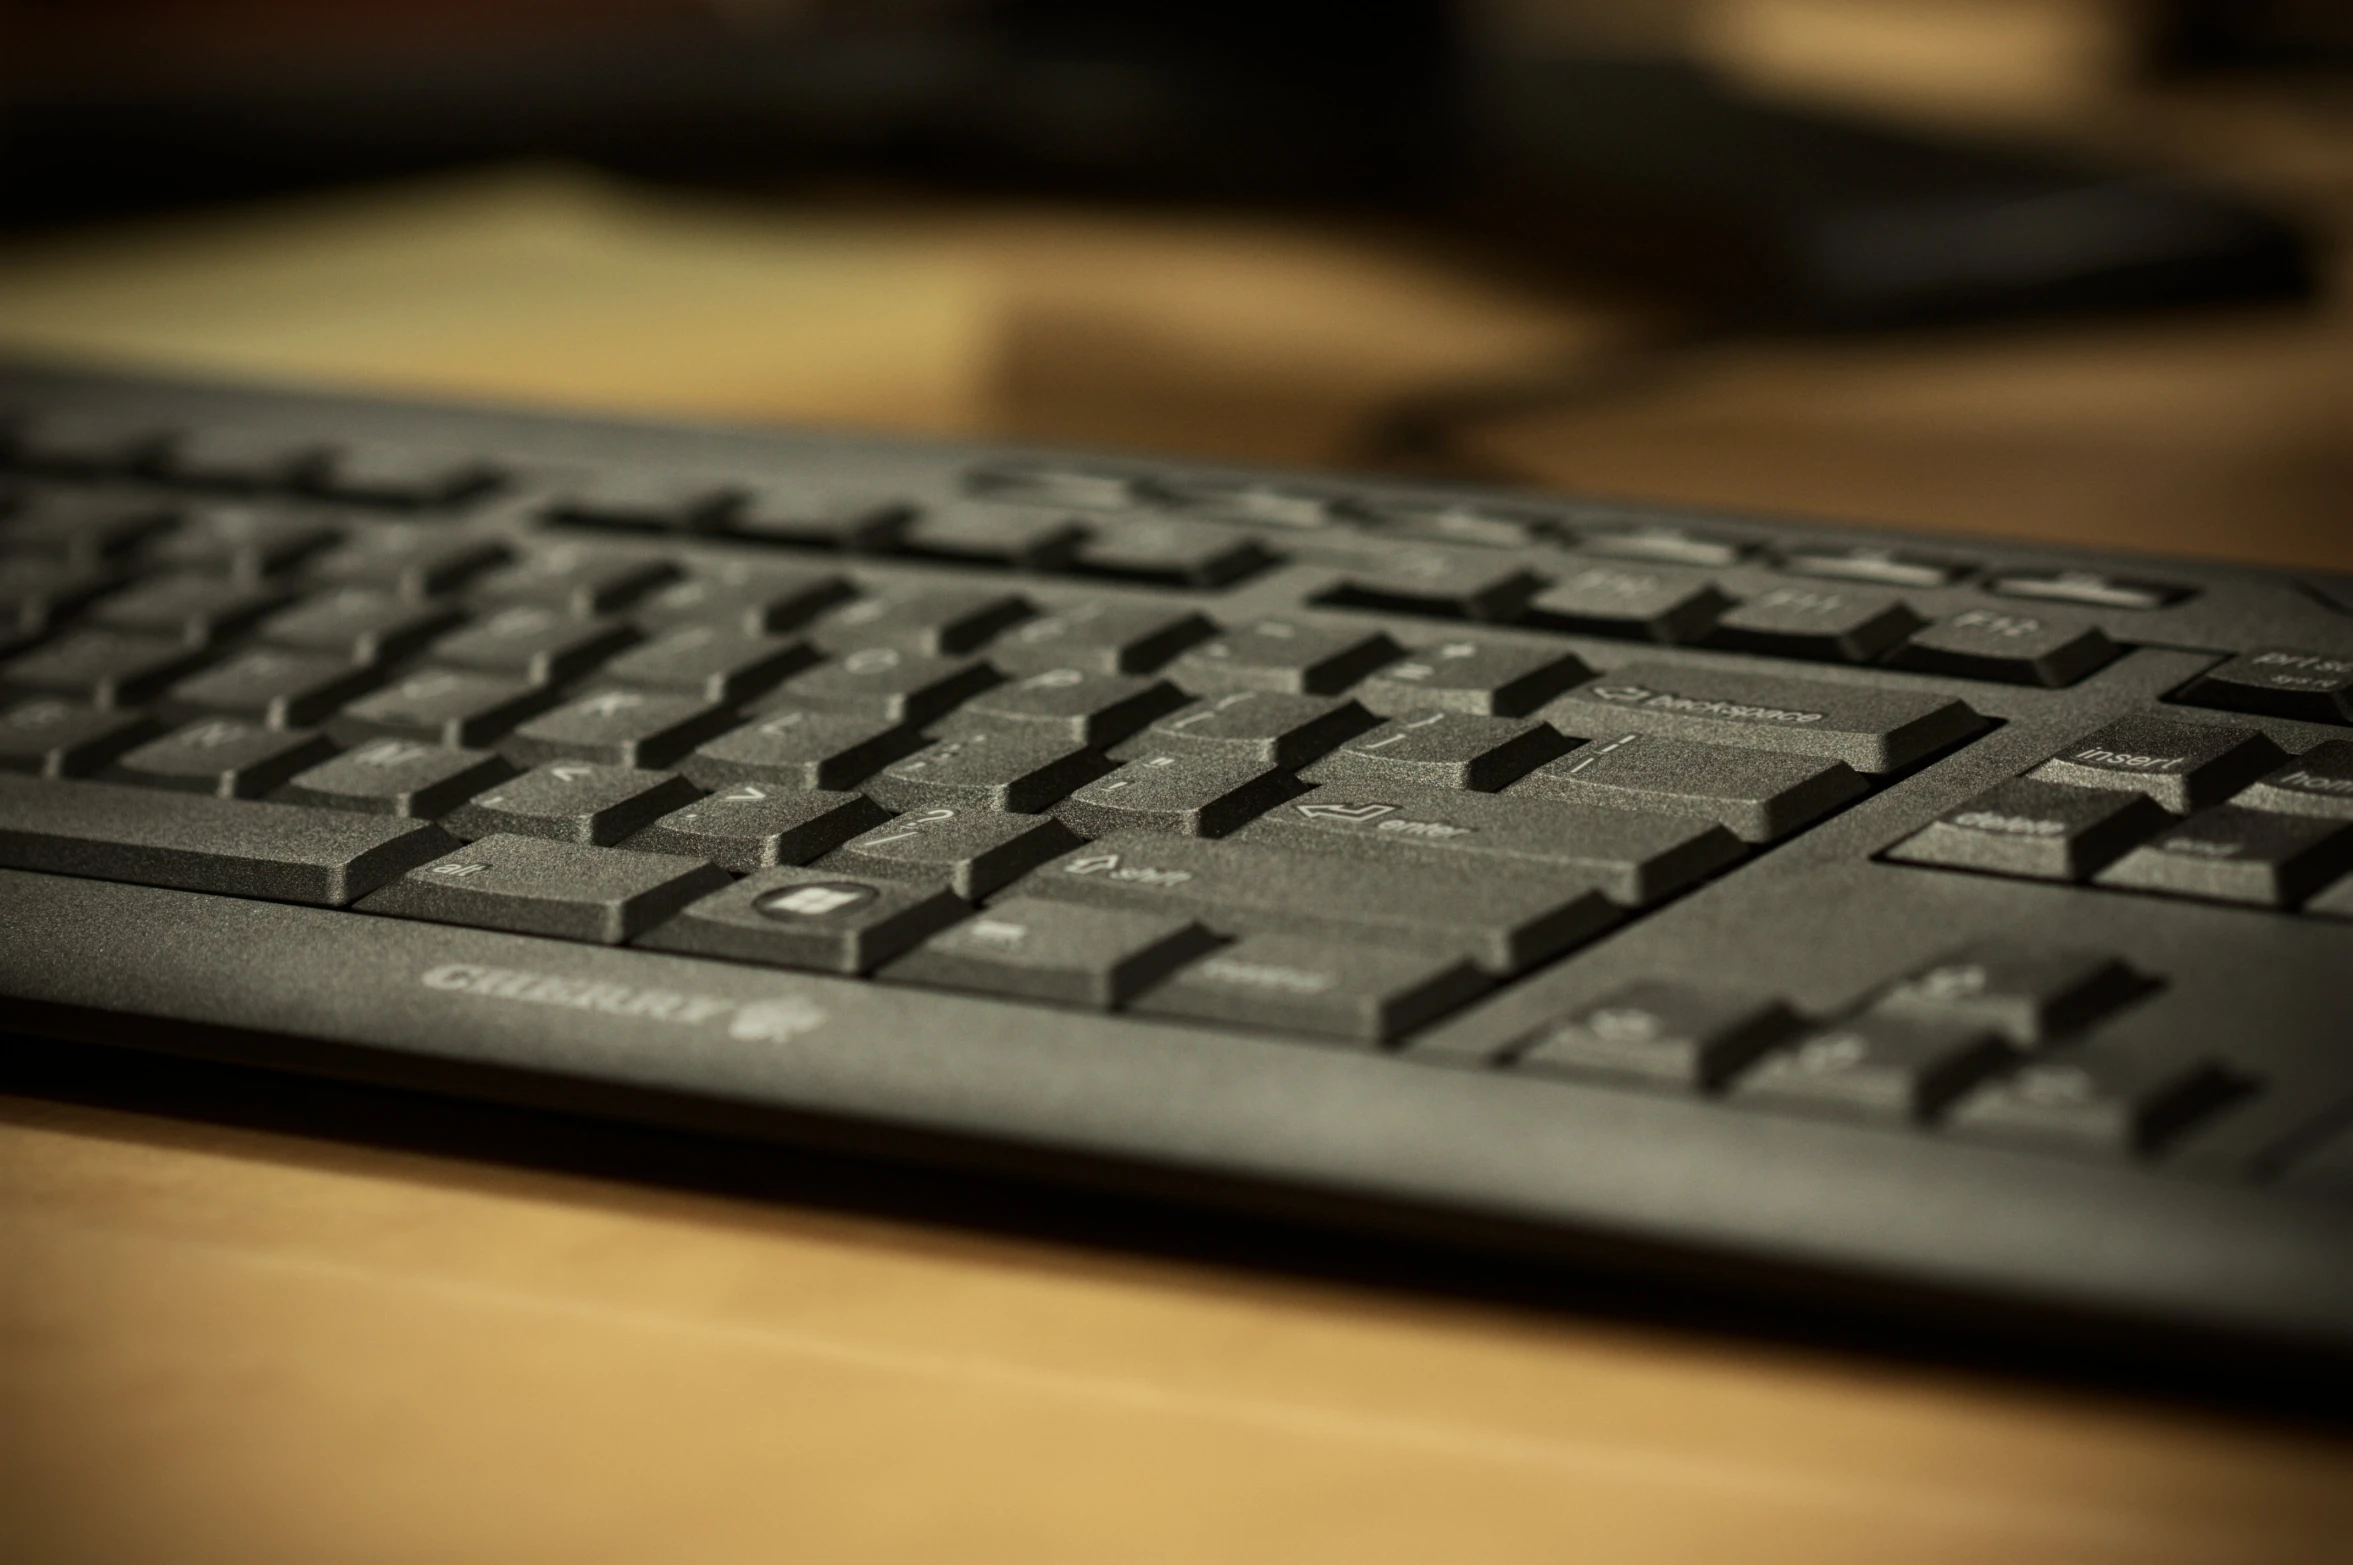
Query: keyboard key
point(581, 582)
point(37, 596)
point(987, 769)
point(896, 683)
point(414, 560)
point(618, 728)
point(1073, 704)
point(714, 663)
point(975, 852)
point(223, 757)
point(1186, 792)
point(1625, 600)
point(2093, 589)
point(1662, 1034)
point(1269, 728)
point(635, 500)
point(398, 777)
point(1101, 637)
point(1175, 551)
point(2183, 765)
point(1409, 579)
point(1809, 622)
point(1873, 729)
point(2333, 902)
point(2043, 831)
point(1284, 655)
point(86, 530)
point(2097, 1098)
point(1335, 989)
point(1504, 920)
point(1498, 679)
point(443, 706)
point(1635, 858)
point(247, 543)
point(941, 622)
point(108, 668)
point(1759, 795)
point(806, 918)
point(1877, 1067)
point(84, 443)
point(801, 748)
point(411, 477)
point(737, 596)
point(2028, 994)
point(1260, 503)
point(1451, 520)
point(1031, 949)
point(48, 737)
point(542, 646)
point(1661, 542)
point(978, 532)
point(2318, 782)
point(195, 611)
point(236, 459)
point(278, 688)
point(1101, 489)
point(230, 847)
point(813, 516)
point(2018, 649)
point(1442, 750)
point(359, 625)
point(1873, 563)
point(2237, 855)
point(749, 827)
point(572, 801)
point(2316, 687)
point(565, 890)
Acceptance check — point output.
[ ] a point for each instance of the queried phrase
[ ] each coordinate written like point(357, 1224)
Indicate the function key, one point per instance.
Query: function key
point(1501, 679)
point(2316, 687)
point(1871, 729)
point(2183, 765)
point(1617, 600)
point(1825, 626)
point(1285, 655)
point(402, 476)
point(1878, 1067)
point(737, 595)
point(801, 748)
point(2092, 589)
point(1090, 488)
point(1336, 989)
point(941, 621)
point(106, 668)
point(822, 920)
point(974, 532)
point(577, 581)
point(973, 852)
point(1269, 727)
point(572, 801)
point(222, 756)
point(1454, 750)
point(636, 501)
point(539, 645)
point(2098, 1098)
point(803, 516)
point(85, 529)
point(1265, 503)
point(2029, 994)
point(2018, 649)
point(398, 777)
point(1415, 580)
point(2040, 830)
point(245, 459)
point(281, 689)
point(49, 737)
point(1662, 1034)
point(1105, 637)
point(409, 558)
point(2318, 782)
point(359, 625)
point(82, 444)
point(1177, 551)
point(564, 890)
point(2231, 854)
point(1873, 563)
point(1758, 795)
point(1033, 949)
point(247, 542)
point(1663, 543)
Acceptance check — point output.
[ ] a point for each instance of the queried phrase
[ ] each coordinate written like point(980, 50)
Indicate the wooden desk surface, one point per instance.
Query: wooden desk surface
point(251, 1345)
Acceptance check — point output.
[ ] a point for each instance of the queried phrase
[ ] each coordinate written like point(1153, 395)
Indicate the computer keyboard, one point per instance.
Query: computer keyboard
point(1946, 924)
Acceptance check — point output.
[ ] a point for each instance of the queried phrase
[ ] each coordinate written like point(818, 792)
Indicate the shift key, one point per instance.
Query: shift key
point(1873, 728)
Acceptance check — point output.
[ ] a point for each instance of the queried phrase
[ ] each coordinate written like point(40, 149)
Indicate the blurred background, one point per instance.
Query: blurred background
point(2070, 269)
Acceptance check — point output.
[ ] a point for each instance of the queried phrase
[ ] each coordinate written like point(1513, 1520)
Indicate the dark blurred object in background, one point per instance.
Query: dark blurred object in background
point(1649, 172)
point(2294, 35)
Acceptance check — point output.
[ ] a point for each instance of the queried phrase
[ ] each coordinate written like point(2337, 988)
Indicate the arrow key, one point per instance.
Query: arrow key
point(572, 801)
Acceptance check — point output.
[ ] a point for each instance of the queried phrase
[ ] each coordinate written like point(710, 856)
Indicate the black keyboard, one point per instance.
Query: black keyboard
point(1936, 923)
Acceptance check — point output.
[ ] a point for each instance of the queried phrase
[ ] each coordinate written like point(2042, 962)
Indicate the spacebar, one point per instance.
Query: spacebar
point(190, 842)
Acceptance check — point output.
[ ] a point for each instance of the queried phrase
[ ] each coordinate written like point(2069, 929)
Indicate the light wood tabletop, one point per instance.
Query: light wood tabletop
point(232, 1336)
